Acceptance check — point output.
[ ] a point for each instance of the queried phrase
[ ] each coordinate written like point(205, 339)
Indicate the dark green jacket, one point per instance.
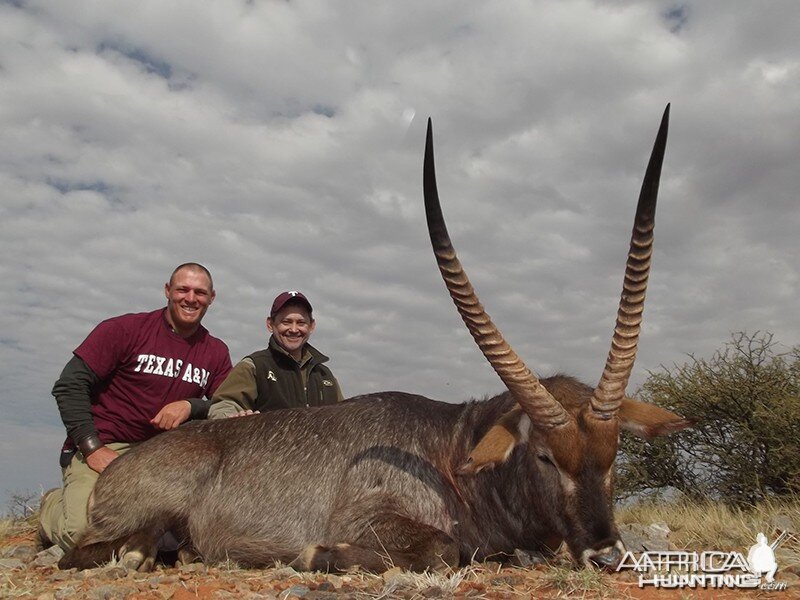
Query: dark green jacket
point(282, 382)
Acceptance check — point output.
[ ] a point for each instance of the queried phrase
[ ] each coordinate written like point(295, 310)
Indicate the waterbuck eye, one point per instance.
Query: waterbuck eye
point(546, 459)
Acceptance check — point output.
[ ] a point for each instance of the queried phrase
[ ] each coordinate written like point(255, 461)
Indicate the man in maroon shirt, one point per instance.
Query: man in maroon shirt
point(134, 376)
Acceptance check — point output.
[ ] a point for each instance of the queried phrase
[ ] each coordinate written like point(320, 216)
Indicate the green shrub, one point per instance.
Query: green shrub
point(745, 444)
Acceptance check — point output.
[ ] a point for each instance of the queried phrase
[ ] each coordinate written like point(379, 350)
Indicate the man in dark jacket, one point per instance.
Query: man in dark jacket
point(289, 373)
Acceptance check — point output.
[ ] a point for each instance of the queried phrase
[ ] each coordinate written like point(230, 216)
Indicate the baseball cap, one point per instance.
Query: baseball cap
point(284, 298)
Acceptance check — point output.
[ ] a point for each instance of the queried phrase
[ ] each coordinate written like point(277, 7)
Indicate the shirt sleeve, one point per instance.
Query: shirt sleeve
point(200, 406)
point(224, 409)
point(238, 388)
point(104, 348)
point(73, 394)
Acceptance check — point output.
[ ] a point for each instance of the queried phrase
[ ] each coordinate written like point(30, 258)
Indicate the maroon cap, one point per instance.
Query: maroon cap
point(285, 297)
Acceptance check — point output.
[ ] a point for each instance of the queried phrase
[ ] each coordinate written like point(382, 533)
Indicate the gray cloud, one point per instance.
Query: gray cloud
point(274, 142)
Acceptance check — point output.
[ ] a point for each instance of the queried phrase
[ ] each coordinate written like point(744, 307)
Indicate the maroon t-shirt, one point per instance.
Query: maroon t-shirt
point(143, 366)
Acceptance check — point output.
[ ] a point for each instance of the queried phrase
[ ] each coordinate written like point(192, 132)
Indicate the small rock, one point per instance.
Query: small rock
point(296, 591)
point(65, 593)
point(46, 596)
point(24, 553)
point(86, 574)
point(526, 558)
point(391, 574)
point(631, 538)
point(262, 595)
point(510, 579)
point(112, 592)
point(48, 557)
point(656, 545)
point(659, 530)
point(139, 576)
point(118, 572)
point(7, 564)
point(321, 595)
point(280, 574)
point(61, 575)
point(335, 581)
point(44, 560)
point(641, 538)
point(168, 579)
point(433, 591)
point(193, 568)
point(56, 551)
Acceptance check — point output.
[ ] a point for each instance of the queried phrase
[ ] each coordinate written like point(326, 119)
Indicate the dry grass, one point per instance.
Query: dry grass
point(6, 528)
point(715, 526)
point(13, 527)
point(706, 526)
point(567, 582)
point(405, 584)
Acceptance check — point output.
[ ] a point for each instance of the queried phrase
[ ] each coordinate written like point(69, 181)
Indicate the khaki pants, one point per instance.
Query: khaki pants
point(63, 516)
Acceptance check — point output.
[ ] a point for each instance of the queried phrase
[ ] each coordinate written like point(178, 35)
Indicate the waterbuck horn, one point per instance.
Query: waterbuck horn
point(610, 391)
point(543, 409)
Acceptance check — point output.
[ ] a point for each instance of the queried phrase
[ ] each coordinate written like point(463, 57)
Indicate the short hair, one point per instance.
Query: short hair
point(194, 267)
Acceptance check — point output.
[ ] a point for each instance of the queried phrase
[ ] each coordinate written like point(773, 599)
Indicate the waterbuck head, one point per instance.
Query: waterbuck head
point(570, 430)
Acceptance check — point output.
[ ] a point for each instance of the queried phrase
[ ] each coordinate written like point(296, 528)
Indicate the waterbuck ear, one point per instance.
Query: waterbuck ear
point(496, 445)
point(648, 420)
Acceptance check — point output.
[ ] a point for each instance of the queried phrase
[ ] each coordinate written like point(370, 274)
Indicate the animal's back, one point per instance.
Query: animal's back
point(276, 482)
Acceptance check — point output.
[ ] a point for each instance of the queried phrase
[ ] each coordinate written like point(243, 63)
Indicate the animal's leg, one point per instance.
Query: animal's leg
point(90, 555)
point(139, 550)
point(388, 540)
point(187, 554)
point(134, 551)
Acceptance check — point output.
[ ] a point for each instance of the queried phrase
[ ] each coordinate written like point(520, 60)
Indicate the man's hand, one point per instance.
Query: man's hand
point(245, 413)
point(172, 415)
point(101, 458)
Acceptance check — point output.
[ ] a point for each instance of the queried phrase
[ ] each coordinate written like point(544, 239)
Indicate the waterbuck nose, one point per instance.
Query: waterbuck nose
point(608, 559)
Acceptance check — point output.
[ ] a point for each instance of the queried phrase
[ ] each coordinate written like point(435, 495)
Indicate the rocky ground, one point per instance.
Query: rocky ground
point(28, 572)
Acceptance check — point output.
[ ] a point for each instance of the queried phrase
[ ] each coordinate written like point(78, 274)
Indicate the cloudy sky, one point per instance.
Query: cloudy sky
point(280, 144)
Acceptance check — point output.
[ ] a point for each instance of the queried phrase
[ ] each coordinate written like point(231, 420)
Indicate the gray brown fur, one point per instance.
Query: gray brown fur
point(377, 472)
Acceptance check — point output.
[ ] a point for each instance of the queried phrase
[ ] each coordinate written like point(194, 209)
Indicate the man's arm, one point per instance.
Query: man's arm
point(237, 394)
point(175, 413)
point(73, 393)
point(191, 409)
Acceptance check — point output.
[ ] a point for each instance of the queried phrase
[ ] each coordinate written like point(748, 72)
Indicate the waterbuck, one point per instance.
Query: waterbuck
point(393, 478)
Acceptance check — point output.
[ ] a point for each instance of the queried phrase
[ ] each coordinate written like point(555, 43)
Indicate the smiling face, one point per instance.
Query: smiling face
point(189, 294)
point(292, 326)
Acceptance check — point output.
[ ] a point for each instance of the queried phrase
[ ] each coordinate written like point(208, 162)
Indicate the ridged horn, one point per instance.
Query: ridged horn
point(543, 409)
point(610, 391)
